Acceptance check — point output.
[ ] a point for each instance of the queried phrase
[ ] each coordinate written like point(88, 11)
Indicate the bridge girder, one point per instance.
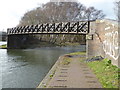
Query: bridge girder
point(52, 28)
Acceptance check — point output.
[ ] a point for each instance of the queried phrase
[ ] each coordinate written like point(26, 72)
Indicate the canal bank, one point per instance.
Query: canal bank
point(70, 72)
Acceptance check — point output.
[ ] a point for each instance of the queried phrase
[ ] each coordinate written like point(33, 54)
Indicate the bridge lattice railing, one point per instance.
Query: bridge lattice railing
point(66, 27)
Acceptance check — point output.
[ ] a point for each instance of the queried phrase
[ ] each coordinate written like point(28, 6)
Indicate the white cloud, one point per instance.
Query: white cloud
point(12, 10)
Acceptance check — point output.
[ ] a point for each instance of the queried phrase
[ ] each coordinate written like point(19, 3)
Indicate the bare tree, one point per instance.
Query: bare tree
point(117, 10)
point(91, 14)
point(60, 12)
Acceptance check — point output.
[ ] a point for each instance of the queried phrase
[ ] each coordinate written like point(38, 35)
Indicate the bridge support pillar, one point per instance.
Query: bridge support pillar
point(17, 41)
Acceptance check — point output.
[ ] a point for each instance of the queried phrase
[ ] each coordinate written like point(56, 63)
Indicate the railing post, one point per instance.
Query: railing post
point(88, 26)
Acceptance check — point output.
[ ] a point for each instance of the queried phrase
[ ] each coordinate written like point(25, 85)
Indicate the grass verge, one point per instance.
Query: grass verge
point(78, 53)
point(3, 46)
point(108, 74)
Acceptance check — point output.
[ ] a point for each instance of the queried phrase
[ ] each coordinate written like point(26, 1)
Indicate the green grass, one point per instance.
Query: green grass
point(106, 73)
point(69, 44)
point(66, 61)
point(78, 53)
point(3, 46)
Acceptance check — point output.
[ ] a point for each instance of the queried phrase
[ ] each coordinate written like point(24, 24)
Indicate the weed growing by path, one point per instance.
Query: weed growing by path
point(66, 61)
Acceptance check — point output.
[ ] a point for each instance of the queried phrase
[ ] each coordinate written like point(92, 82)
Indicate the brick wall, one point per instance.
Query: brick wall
point(104, 40)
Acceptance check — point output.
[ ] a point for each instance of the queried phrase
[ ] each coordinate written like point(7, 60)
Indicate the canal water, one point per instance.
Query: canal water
point(25, 68)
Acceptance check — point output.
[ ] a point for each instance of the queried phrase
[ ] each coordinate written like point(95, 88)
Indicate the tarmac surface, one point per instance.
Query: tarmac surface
point(74, 75)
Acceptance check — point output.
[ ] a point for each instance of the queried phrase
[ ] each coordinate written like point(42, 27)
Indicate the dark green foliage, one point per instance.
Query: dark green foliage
point(107, 62)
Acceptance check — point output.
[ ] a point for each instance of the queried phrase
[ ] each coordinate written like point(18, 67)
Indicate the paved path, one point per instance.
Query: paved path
point(74, 75)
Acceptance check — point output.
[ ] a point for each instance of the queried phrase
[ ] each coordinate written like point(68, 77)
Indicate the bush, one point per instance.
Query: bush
point(107, 62)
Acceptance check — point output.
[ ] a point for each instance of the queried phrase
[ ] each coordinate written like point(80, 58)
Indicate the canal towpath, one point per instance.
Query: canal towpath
point(72, 73)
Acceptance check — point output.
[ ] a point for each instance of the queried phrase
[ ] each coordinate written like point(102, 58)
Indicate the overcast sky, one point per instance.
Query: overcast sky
point(12, 10)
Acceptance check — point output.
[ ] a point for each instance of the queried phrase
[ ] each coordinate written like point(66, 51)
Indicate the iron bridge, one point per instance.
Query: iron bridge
point(81, 27)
